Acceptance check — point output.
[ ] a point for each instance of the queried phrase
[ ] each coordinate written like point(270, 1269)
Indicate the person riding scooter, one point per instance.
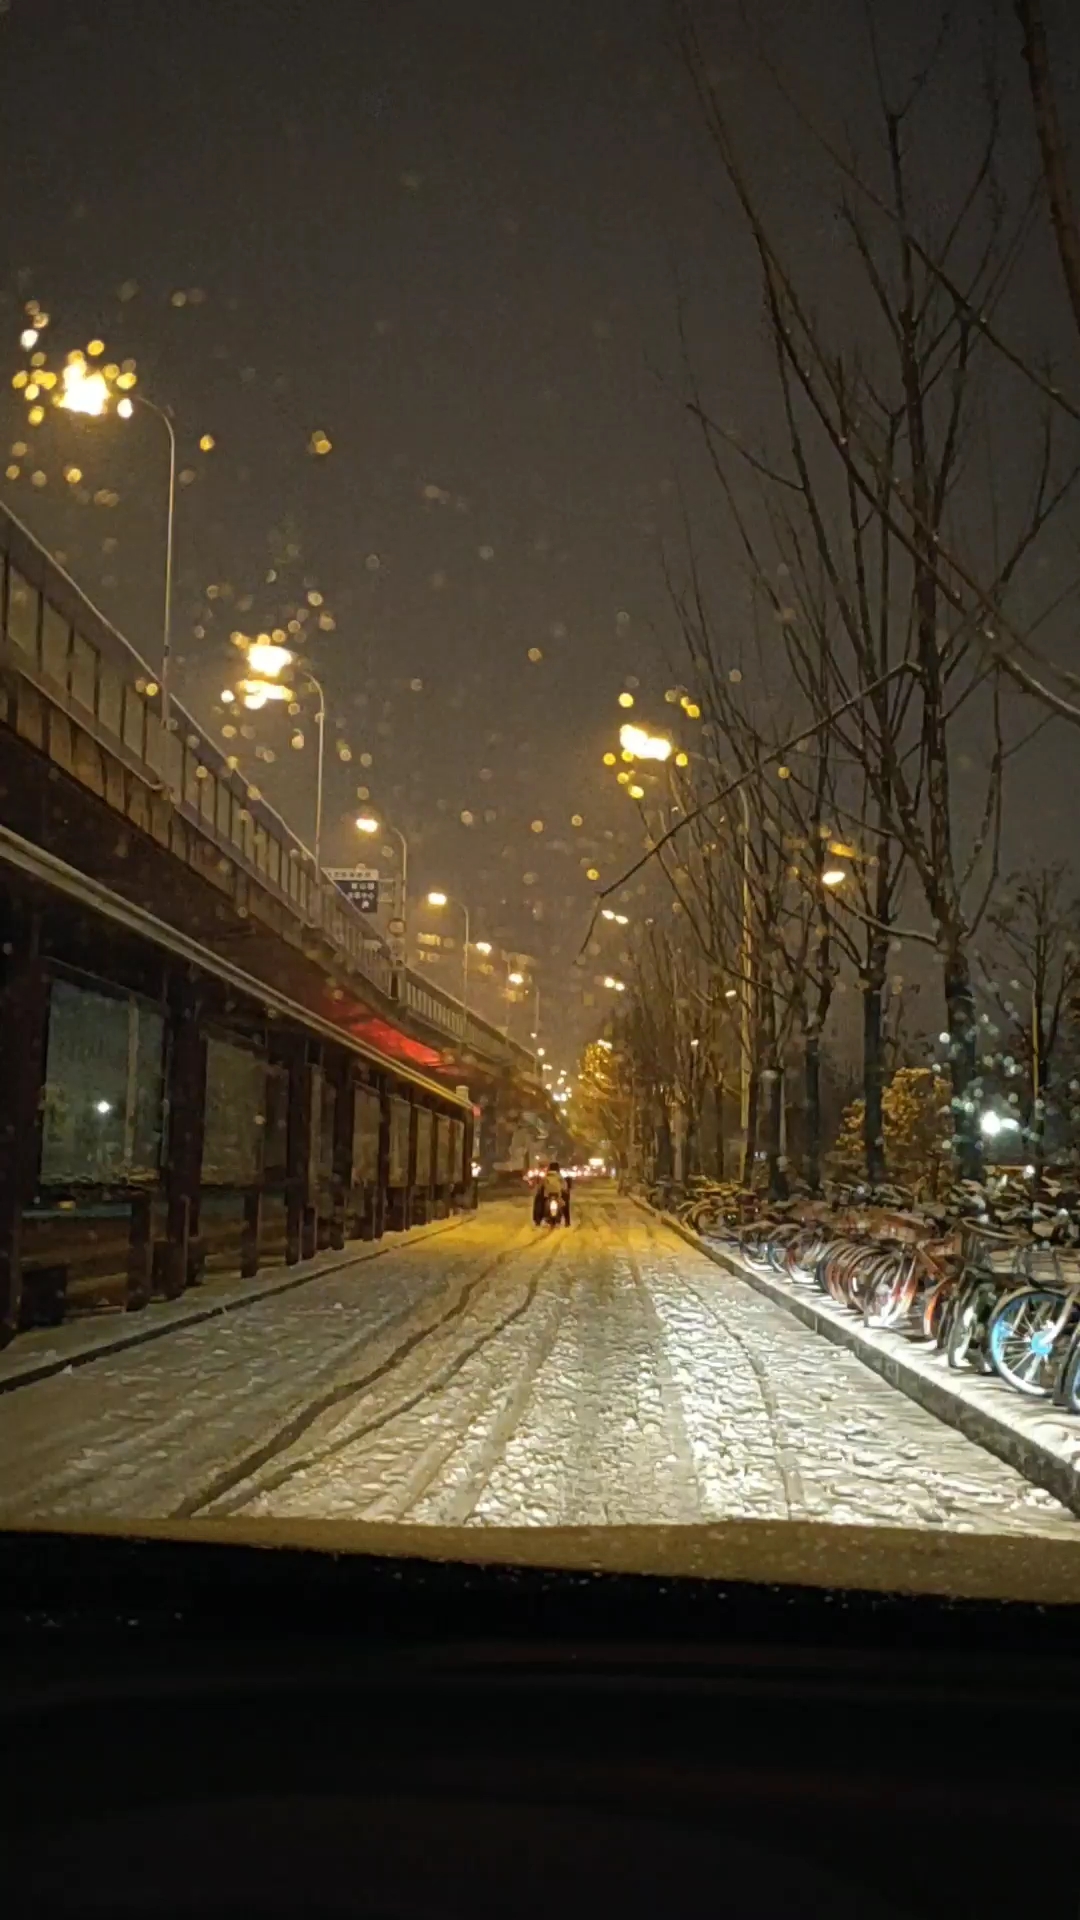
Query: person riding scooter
point(551, 1185)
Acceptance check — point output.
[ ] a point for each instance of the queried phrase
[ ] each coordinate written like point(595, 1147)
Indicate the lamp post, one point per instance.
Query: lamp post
point(370, 823)
point(165, 417)
point(268, 662)
point(91, 391)
point(439, 899)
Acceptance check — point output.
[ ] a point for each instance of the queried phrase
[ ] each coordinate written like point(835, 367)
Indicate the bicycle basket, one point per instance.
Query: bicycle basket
point(991, 1251)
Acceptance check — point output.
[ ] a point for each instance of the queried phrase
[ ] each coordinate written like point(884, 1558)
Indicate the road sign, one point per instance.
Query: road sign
point(397, 928)
point(360, 885)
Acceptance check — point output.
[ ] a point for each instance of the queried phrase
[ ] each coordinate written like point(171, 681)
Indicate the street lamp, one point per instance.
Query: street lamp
point(833, 877)
point(438, 899)
point(644, 745)
point(91, 391)
point(268, 662)
point(370, 823)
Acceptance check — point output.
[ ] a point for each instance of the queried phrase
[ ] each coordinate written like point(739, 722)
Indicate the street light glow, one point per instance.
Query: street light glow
point(83, 391)
point(437, 899)
point(833, 877)
point(366, 823)
point(644, 745)
point(482, 946)
point(516, 979)
point(267, 659)
point(257, 692)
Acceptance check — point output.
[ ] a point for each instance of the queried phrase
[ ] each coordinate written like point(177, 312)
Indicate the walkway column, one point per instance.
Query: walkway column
point(382, 1181)
point(185, 1105)
point(300, 1222)
point(341, 1183)
point(24, 1006)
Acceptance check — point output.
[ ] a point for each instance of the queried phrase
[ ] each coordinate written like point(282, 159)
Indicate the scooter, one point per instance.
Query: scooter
point(553, 1210)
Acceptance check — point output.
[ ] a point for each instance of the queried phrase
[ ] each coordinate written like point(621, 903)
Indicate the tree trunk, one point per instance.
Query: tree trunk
point(773, 1110)
point(874, 1063)
point(753, 1096)
point(963, 1039)
point(665, 1158)
point(812, 1116)
point(718, 1127)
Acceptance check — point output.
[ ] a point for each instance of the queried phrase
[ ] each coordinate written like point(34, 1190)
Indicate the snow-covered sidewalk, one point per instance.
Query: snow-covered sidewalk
point(1036, 1438)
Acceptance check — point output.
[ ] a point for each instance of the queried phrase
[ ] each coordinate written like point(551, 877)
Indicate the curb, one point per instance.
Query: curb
point(1026, 1435)
point(138, 1336)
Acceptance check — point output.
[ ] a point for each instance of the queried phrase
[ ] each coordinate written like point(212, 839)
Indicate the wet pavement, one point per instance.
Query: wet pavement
point(503, 1375)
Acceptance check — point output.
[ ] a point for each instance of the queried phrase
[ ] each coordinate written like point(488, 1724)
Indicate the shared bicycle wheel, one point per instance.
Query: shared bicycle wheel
point(1024, 1338)
point(967, 1330)
point(1069, 1390)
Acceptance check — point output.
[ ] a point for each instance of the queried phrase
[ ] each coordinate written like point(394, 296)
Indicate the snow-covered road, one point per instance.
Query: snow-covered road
point(503, 1376)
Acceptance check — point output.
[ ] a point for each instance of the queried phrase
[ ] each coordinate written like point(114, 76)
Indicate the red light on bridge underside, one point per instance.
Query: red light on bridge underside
point(379, 1033)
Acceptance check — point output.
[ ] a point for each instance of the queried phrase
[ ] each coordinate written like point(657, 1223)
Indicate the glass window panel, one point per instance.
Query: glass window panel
point(208, 797)
point(224, 809)
point(260, 847)
point(22, 612)
point(423, 1146)
point(235, 1114)
point(84, 661)
point(275, 860)
point(442, 1150)
point(55, 644)
point(400, 1112)
point(103, 1088)
point(365, 1151)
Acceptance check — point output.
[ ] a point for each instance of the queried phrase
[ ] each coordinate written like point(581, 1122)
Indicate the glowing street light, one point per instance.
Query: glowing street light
point(264, 688)
point(644, 745)
point(370, 823)
point(516, 979)
point(436, 898)
point(257, 693)
point(616, 986)
point(482, 946)
point(90, 391)
point(833, 877)
point(267, 659)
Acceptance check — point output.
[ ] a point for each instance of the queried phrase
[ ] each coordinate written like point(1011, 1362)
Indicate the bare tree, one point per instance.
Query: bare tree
point(880, 431)
point(1035, 919)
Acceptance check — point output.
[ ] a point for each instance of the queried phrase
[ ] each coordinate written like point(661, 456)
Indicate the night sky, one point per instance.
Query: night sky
point(449, 237)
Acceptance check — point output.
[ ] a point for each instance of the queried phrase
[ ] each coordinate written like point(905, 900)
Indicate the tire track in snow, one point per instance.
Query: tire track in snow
point(289, 1432)
point(220, 1501)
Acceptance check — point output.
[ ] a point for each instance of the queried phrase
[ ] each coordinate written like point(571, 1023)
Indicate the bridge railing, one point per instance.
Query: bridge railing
point(431, 1003)
point(54, 639)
